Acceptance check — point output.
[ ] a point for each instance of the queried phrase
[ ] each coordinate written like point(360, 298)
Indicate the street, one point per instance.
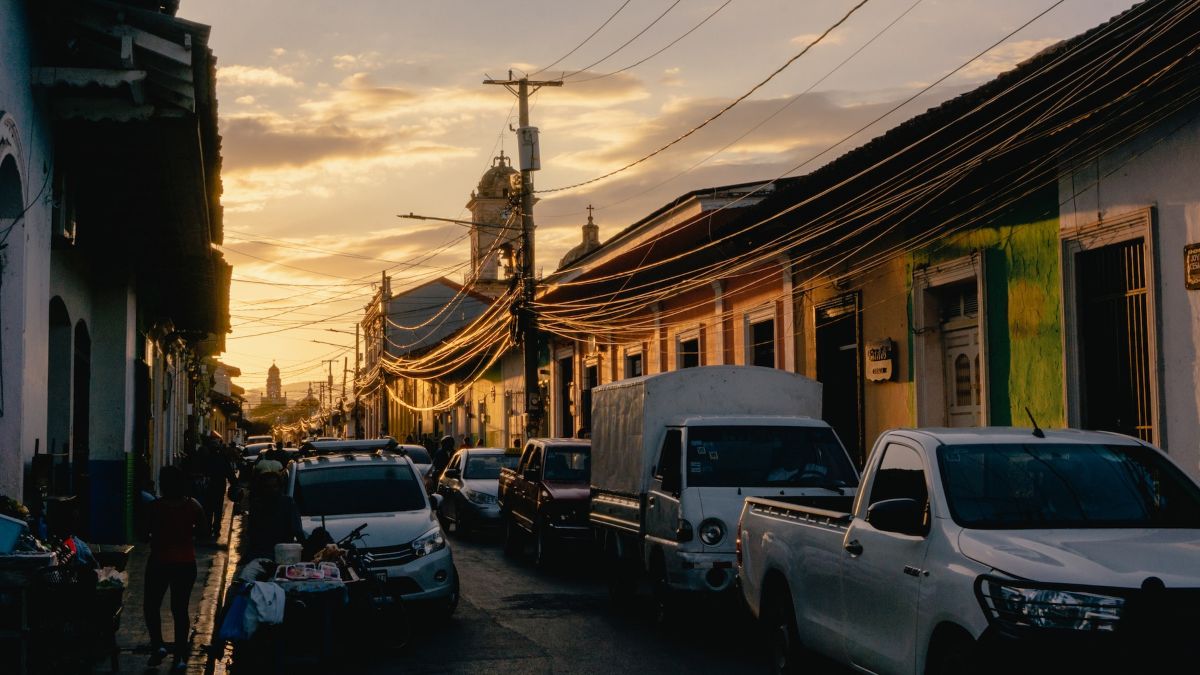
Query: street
point(515, 618)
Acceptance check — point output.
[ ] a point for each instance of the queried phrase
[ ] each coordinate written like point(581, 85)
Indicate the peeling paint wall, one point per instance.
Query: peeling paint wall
point(1023, 309)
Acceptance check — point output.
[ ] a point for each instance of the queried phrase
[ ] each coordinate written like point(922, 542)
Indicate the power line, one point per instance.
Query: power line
point(721, 112)
point(626, 44)
point(670, 44)
point(585, 41)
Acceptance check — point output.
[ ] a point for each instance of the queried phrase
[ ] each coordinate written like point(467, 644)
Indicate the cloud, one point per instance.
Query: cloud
point(252, 76)
point(1003, 58)
point(244, 100)
point(671, 78)
point(358, 62)
point(267, 141)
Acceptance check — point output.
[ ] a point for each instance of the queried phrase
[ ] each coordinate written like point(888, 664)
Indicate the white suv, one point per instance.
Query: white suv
point(384, 491)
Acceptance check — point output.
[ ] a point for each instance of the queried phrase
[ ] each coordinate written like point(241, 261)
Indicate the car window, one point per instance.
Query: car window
point(347, 489)
point(418, 455)
point(901, 475)
point(568, 463)
point(535, 461)
point(525, 457)
point(766, 456)
point(487, 466)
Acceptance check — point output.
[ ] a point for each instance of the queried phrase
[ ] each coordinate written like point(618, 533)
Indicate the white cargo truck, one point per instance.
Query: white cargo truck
point(675, 454)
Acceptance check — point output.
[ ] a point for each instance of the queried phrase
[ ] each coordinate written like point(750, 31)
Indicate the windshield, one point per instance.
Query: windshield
point(418, 455)
point(1043, 486)
point(488, 466)
point(356, 488)
point(568, 463)
point(753, 456)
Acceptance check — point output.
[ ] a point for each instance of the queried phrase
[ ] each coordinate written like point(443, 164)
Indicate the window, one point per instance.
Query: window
point(1044, 485)
point(668, 470)
point(901, 475)
point(526, 454)
point(762, 343)
point(382, 488)
point(569, 463)
point(689, 353)
point(962, 379)
point(487, 466)
point(760, 456)
point(633, 365)
point(535, 461)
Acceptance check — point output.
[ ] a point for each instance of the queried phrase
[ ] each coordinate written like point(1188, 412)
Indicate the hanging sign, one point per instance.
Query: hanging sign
point(880, 357)
point(1191, 266)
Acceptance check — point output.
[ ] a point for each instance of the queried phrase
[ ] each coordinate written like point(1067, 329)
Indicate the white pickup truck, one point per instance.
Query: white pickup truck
point(973, 550)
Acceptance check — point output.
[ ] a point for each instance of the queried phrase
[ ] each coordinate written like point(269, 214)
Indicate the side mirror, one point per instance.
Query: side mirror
point(435, 501)
point(452, 473)
point(902, 516)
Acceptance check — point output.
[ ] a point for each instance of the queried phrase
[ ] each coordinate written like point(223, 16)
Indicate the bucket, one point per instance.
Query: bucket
point(10, 531)
point(287, 554)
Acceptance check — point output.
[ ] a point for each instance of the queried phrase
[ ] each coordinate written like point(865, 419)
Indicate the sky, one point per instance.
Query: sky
point(337, 115)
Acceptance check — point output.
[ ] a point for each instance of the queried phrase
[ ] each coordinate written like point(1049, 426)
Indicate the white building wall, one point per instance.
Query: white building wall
point(1159, 169)
point(24, 298)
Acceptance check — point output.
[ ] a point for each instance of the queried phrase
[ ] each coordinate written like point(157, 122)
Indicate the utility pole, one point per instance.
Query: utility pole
point(329, 386)
point(530, 161)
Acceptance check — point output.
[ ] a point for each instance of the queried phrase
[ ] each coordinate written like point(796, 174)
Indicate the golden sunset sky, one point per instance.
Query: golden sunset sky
point(337, 115)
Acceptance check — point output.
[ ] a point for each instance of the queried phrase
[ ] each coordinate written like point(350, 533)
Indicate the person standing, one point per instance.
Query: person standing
point(174, 521)
point(273, 518)
point(219, 475)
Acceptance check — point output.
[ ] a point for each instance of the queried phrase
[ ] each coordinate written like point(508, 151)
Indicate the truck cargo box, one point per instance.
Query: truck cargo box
point(629, 416)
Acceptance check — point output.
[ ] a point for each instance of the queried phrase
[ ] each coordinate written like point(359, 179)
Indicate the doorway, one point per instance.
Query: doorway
point(958, 306)
point(839, 369)
point(566, 385)
point(1115, 365)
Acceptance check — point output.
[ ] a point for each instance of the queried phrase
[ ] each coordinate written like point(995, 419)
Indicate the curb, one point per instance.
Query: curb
point(218, 660)
point(213, 600)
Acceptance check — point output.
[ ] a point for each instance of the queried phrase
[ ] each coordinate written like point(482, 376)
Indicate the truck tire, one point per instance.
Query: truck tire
point(514, 541)
point(953, 651)
point(779, 621)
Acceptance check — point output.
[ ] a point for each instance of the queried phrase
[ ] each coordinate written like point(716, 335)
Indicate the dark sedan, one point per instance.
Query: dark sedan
point(468, 487)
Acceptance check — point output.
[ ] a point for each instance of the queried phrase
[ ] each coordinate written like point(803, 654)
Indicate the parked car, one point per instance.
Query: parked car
point(545, 497)
point(970, 550)
point(469, 487)
point(252, 440)
point(673, 456)
point(419, 456)
point(251, 452)
point(342, 491)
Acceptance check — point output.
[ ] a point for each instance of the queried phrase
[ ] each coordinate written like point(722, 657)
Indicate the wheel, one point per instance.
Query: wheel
point(513, 537)
point(622, 579)
point(954, 653)
point(780, 622)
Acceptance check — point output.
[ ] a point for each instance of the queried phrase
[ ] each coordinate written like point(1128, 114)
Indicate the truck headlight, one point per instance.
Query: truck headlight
point(712, 531)
point(1014, 606)
point(430, 542)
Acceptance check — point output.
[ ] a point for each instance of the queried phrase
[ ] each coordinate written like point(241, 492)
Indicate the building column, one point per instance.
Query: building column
point(112, 409)
point(718, 325)
point(789, 321)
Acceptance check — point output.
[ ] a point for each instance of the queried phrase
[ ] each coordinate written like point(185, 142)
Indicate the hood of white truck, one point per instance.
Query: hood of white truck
point(383, 529)
point(1121, 558)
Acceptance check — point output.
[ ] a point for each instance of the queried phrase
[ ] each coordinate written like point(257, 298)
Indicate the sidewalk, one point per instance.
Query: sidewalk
point(133, 639)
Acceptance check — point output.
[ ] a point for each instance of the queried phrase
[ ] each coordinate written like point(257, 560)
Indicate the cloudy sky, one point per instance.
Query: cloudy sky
point(339, 114)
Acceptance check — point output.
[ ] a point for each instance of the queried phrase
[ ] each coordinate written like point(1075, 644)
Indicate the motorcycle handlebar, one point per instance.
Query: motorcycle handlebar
point(353, 534)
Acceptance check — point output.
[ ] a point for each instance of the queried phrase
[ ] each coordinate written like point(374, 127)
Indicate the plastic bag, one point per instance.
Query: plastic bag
point(233, 627)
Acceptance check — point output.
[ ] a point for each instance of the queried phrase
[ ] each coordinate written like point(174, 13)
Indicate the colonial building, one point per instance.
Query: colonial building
point(111, 290)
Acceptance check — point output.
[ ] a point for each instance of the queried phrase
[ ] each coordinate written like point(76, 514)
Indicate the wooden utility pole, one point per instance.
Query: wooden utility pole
point(526, 316)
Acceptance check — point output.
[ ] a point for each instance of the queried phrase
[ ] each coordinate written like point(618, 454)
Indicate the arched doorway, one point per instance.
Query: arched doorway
point(58, 395)
point(80, 416)
point(11, 208)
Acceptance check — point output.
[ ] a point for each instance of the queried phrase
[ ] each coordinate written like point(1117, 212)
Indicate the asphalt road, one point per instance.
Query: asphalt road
point(516, 618)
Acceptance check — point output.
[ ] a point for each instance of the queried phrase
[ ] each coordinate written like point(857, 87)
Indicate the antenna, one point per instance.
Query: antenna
point(1037, 431)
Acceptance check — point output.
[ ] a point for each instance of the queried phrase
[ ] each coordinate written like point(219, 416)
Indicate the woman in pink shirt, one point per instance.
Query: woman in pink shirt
point(174, 520)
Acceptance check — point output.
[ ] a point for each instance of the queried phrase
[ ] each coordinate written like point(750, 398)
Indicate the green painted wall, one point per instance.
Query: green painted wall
point(1023, 297)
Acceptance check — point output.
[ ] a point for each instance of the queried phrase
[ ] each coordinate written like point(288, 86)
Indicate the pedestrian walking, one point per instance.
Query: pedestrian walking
point(174, 521)
point(219, 475)
point(273, 517)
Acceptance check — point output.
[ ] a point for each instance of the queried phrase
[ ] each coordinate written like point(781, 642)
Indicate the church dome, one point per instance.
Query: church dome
point(500, 180)
point(273, 370)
